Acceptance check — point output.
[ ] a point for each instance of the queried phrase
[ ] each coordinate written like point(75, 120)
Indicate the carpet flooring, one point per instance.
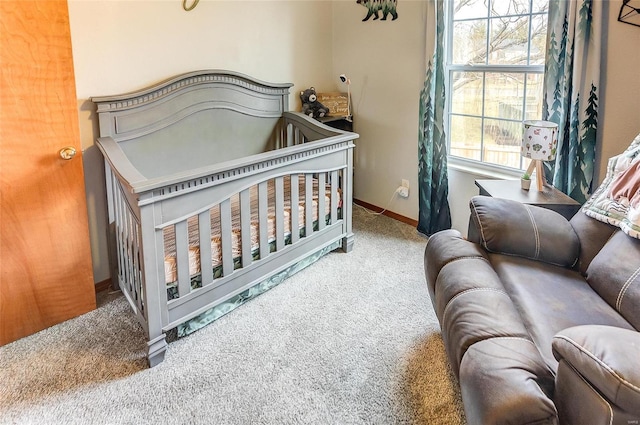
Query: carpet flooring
point(352, 339)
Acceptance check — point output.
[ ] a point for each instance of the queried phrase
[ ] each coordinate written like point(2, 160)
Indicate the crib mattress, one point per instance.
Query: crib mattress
point(170, 263)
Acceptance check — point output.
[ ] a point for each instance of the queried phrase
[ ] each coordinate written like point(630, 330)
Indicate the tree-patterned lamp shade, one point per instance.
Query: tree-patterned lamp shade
point(539, 143)
point(540, 140)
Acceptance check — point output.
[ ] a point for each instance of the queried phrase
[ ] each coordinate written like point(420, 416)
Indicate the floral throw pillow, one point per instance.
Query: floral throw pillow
point(617, 200)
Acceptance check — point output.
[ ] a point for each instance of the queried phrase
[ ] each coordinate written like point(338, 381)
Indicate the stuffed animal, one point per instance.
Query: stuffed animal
point(310, 104)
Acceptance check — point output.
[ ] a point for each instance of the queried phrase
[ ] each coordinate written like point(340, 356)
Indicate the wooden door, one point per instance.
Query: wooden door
point(45, 261)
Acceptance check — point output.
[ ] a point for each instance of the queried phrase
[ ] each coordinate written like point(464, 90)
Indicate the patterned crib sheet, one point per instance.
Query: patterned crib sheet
point(170, 262)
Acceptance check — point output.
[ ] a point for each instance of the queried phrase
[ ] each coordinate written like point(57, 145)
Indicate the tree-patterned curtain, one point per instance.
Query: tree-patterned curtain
point(572, 84)
point(434, 213)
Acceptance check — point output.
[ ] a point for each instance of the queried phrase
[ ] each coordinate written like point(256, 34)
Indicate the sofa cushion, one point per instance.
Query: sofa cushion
point(550, 299)
point(504, 381)
point(463, 275)
point(533, 232)
point(592, 234)
point(476, 315)
point(615, 275)
point(607, 358)
point(444, 247)
point(580, 403)
point(467, 295)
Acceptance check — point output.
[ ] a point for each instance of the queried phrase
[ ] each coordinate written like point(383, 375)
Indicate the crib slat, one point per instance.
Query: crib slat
point(118, 230)
point(334, 196)
point(283, 135)
point(290, 135)
point(308, 204)
point(263, 205)
point(279, 211)
point(182, 258)
point(245, 227)
point(322, 219)
point(118, 224)
point(295, 212)
point(206, 264)
point(135, 255)
point(127, 247)
point(122, 242)
point(111, 188)
point(225, 230)
point(128, 252)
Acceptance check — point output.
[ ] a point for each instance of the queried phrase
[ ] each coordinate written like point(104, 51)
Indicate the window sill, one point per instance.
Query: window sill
point(482, 170)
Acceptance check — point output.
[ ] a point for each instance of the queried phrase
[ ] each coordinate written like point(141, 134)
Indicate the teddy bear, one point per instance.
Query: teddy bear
point(310, 104)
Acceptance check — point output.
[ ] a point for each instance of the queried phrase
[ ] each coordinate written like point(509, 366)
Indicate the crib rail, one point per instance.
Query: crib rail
point(247, 227)
point(301, 129)
point(232, 225)
point(303, 196)
point(127, 250)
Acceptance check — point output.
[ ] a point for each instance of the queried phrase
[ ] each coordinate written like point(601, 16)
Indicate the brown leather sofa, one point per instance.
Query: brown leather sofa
point(539, 316)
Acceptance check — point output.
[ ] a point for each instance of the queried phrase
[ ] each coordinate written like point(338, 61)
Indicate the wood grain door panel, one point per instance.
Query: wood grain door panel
point(45, 262)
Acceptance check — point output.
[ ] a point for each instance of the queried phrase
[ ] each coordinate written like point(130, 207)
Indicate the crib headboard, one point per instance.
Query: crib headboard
point(193, 120)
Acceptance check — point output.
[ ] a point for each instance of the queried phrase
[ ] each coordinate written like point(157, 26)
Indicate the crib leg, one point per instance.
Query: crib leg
point(347, 242)
point(156, 349)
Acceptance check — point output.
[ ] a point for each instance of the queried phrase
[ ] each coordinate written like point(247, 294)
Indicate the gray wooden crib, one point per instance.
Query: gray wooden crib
point(213, 188)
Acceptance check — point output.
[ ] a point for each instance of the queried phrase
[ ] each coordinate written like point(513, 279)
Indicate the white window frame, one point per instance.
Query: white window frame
point(480, 168)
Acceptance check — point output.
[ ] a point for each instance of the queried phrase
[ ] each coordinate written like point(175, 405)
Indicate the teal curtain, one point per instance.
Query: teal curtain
point(434, 213)
point(571, 91)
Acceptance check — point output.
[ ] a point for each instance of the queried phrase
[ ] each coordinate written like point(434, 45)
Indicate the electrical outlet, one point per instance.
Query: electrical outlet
point(403, 192)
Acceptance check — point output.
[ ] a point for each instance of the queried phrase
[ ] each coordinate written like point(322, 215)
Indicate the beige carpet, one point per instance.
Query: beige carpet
point(350, 340)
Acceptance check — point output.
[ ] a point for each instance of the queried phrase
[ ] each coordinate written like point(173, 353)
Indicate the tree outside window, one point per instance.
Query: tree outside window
point(495, 70)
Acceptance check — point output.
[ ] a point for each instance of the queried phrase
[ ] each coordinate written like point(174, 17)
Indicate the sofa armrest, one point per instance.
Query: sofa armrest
point(607, 358)
point(512, 228)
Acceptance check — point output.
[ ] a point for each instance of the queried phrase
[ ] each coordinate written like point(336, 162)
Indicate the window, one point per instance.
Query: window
point(495, 69)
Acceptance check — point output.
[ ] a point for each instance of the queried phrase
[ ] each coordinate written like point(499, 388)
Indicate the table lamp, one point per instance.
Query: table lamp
point(539, 144)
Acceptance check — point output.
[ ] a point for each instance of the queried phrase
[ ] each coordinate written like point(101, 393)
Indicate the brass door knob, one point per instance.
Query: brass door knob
point(67, 153)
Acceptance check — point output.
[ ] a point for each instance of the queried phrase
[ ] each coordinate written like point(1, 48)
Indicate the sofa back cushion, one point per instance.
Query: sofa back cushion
point(614, 273)
point(593, 235)
point(512, 228)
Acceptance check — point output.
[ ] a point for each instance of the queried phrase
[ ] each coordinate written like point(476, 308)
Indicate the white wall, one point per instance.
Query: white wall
point(385, 62)
point(125, 45)
point(619, 111)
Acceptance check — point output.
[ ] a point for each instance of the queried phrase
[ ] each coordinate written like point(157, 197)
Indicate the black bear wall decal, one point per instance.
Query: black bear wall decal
point(374, 6)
